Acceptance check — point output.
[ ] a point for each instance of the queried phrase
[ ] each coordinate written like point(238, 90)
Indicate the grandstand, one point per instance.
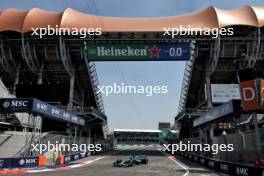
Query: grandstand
point(207, 116)
point(57, 87)
point(142, 137)
point(55, 71)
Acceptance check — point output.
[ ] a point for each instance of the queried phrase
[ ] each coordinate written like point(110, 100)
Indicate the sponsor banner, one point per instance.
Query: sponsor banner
point(222, 93)
point(16, 104)
point(25, 162)
point(54, 112)
point(249, 95)
point(34, 105)
point(67, 159)
point(82, 155)
point(6, 163)
point(140, 51)
point(217, 112)
point(75, 157)
point(212, 164)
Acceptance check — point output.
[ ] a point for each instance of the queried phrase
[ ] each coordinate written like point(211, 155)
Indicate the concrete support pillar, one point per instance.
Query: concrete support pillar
point(75, 134)
point(69, 132)
point(82, 103)
point(208, 91)
point(71, 92)
point(89, 136)
point(16, 81)
point(40, 76)
point(258, 141)
point(211, 131)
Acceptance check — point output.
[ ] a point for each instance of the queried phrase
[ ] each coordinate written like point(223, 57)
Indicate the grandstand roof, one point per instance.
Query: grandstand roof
point(211, 17)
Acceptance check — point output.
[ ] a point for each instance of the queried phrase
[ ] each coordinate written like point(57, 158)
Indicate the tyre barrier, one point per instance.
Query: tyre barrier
point(229, 168)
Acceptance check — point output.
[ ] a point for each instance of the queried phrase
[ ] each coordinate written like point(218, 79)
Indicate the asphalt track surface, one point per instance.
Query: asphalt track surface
point(159, 165)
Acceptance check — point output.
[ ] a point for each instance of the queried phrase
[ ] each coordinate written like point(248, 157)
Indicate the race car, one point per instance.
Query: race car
point(134, 160)
point(140, 159)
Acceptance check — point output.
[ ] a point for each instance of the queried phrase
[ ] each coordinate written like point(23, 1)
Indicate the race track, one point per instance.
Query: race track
point(159, 165)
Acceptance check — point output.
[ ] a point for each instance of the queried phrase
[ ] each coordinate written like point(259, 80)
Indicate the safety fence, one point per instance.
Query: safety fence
point(229, 168)
point(247, 147)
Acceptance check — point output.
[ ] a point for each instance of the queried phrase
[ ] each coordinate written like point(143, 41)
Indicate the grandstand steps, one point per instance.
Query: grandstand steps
point(9, 147)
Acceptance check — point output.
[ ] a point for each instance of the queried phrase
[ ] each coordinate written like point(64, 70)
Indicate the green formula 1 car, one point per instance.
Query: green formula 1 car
point(134, 160)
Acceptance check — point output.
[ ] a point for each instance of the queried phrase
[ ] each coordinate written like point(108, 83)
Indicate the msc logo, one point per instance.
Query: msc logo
point(76, 157)
point(242, 171)
point(27, 161)
point(224, 167)
point(211, 164)
point(83, 155)
point(42, 106)
point(15, 103)
point(2, 163)
point(6, 104)
point(67, 159)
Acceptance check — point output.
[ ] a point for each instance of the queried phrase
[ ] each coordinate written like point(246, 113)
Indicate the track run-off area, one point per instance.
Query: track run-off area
point(160, 164)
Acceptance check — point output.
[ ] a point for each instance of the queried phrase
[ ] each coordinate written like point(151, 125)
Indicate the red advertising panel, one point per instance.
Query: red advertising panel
point(262, 95)
point(249, 95)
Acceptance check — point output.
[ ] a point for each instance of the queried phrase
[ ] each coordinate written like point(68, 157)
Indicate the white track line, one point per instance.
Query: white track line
point(186, 168)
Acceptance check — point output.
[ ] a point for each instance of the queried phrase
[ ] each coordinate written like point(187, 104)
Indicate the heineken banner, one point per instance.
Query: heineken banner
point(174, 51)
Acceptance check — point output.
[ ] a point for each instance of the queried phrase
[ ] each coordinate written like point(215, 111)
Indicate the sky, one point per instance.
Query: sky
point(136, 111)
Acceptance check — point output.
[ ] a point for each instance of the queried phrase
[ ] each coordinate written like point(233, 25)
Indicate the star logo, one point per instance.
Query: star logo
point(154, 52)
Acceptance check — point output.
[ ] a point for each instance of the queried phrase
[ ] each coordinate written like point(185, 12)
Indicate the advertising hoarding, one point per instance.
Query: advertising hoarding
point(222, 93)
point(16, 104)
point(58, 113)
point(217, 112)
point(262, 95)
point(174, 51)
point(249, 94)
point(25, 162)
point(12, 105)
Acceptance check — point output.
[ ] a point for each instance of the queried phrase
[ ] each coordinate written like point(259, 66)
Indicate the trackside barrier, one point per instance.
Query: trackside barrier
point(21, 162)
point(235, 169)
point(65, 159)
point(40, 161)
